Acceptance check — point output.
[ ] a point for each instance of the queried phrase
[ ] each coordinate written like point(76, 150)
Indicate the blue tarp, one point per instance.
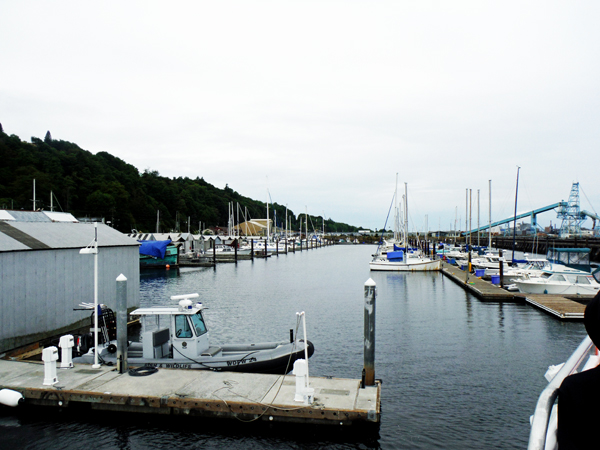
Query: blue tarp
point(154, 248)
point(395, 256)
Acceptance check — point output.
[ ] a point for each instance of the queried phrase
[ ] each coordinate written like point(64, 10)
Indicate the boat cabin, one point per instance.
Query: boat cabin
point(179, 329)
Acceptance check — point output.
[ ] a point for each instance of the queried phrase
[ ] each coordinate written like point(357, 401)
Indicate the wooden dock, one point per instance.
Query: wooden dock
point(562, 307)
point(200, 393)
point(484, 290)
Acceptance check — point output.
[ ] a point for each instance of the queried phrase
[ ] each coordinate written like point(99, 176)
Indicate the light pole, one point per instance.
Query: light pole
point(92, 249)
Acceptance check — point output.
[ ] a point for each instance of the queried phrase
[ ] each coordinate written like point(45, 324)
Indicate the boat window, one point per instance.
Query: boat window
point(571, 278)
point(545, 275)
point(199, 324)
point(182, 327)
point(583, 280)
point(559, 278)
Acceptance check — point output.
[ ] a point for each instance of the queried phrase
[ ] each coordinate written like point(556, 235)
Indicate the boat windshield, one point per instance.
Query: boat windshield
point(199, 324)
point(182, 327)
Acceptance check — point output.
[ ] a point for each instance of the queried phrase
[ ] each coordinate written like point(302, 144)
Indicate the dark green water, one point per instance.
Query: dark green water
point(457, 373)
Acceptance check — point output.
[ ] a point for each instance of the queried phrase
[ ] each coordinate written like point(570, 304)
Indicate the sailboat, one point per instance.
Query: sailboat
point(402, 258)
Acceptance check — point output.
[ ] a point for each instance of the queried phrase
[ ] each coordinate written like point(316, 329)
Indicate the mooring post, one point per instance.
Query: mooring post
point(235, 246)
point(501, 264)
point(121, 324)
point(252, 249)
point(369, 343)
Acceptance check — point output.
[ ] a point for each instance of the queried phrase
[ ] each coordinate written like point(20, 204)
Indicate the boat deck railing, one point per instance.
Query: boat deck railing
point(543, 410)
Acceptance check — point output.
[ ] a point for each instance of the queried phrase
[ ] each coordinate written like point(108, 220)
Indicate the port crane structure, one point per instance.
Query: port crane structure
point(570, 213)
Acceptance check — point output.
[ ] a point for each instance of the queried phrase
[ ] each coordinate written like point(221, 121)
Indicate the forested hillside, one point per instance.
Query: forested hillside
point(103, 186)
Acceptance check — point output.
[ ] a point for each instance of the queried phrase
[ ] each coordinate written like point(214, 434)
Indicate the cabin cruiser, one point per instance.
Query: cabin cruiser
point(491, 263)
point(582, 283)
point(177, 337)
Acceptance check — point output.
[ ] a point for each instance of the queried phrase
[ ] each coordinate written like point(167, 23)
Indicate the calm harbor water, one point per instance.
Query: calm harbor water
point(457, 373)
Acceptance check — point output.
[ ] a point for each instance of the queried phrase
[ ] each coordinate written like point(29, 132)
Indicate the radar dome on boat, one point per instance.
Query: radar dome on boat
point(185, 304)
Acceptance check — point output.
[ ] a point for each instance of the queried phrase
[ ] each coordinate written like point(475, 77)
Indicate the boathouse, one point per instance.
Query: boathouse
point(44, 278)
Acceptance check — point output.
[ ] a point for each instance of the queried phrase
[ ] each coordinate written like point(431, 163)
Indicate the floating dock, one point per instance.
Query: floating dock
point(481, 288)
point(562, 307)
point(202, 393)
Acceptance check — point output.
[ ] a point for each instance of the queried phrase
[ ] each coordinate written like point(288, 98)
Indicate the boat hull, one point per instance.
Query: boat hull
point(245, 358)
point(528, 287)
point(400, 266)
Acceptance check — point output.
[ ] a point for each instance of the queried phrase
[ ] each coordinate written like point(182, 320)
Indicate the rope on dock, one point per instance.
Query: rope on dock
point(142, 371)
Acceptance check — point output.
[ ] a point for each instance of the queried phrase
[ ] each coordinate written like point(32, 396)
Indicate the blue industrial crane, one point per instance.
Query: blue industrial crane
point(533, 214)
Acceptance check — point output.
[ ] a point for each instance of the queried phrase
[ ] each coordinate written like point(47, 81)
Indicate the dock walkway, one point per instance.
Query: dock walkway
point(196, 393)
point(557, 305)
point(481, 288)
point(562, 307)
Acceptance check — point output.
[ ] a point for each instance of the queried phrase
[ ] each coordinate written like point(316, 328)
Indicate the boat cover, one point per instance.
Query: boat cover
point(154, 248)
point(395, 256)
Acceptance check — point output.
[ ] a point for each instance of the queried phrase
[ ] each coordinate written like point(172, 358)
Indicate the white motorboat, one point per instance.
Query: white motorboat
point(491, 263)
point(177, 337)
point(581, 283)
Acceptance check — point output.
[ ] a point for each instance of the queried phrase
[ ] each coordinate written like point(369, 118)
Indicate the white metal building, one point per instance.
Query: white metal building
point(43, 277)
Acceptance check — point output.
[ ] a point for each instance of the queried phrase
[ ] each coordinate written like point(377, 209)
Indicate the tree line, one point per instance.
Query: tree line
point(104, 186)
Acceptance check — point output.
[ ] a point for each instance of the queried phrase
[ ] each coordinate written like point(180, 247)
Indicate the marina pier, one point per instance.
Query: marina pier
point(569, 307)
point(199, 393)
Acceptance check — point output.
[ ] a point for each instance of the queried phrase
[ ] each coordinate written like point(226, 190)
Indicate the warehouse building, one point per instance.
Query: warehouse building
point(44, 278)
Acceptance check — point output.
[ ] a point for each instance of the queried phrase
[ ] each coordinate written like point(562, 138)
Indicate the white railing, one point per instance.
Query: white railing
point(543, 409)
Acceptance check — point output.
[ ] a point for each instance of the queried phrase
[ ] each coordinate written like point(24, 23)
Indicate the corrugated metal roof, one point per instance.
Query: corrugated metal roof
point(9, 244)
point(5, 215)
point(57, 235)
point(29, 216)
point(37, 216)
point(60, 216)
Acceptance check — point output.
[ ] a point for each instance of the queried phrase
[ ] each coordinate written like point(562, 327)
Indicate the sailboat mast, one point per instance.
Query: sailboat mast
point(396, 211)
point(306, 223)
point(490, 220)
point(515, 219)
point(268, 229)
point(406, 215)
point(478, 216)
point(286, 223)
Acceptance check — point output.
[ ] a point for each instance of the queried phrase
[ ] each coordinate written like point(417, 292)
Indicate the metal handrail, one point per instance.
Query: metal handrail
point(541, 417)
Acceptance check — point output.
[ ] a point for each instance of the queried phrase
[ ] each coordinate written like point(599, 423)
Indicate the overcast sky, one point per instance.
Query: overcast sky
point(322, 102)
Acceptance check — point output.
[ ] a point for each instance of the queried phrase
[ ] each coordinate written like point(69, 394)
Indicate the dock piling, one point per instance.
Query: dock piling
point(501, 269)
point(369, 338)
point(122, 323)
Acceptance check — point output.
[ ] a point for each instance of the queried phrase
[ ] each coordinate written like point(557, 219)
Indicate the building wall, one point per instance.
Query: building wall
point(39, 290)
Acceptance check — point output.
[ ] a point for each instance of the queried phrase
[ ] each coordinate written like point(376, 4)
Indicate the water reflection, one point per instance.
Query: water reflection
point(457, 373)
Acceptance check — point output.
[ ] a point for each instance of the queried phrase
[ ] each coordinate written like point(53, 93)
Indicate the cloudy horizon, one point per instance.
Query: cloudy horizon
point(322, 103)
